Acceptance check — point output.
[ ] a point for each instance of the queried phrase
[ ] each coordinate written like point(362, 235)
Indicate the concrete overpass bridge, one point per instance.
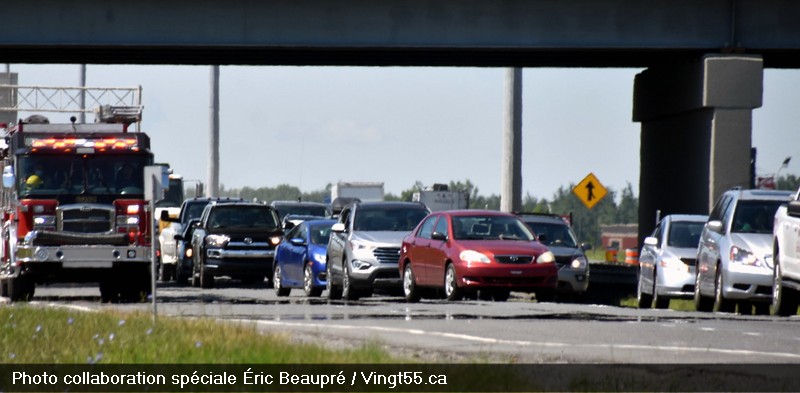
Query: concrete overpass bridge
point(704, 59)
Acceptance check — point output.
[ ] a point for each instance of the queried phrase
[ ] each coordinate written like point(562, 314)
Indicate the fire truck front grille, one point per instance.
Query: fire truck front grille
point(85, 219)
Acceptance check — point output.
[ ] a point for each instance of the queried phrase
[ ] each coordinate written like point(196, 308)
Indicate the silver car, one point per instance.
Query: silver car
point(364, 247)
point(734, 258)
point(667, 260)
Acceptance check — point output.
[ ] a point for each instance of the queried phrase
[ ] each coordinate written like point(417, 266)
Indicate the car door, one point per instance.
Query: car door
point(791, 264)
point(420, 249)
point(710, 243)
point(648, 259)
point(292, 254)
point(437, 253)
point(336, 244)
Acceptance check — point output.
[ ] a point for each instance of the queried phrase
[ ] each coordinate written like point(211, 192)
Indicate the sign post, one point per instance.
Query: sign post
point(590, 191)
point(156, 182)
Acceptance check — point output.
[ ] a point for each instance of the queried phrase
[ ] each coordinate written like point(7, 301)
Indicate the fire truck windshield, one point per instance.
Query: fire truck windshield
point(48, 175)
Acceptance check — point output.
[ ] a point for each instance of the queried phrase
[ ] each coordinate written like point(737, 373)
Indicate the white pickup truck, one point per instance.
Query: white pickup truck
point(786, 258)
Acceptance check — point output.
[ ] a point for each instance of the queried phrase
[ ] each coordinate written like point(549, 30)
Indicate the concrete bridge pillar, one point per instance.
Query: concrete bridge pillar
point(696, 133)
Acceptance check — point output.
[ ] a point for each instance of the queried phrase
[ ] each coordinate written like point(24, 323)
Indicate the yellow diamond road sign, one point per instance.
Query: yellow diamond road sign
point(590, 191)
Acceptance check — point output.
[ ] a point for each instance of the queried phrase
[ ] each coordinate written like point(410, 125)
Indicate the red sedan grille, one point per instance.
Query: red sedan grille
point(513, 259)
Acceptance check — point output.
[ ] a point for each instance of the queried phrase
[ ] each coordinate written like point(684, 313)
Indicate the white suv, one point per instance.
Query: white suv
point(734, 257)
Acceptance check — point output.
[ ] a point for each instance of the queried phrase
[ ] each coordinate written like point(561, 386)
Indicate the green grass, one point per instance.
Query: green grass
point(38, 335)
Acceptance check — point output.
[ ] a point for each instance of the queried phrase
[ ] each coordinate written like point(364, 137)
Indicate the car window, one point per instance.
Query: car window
point(320, 234)
point(233, 216)
point(719, 207)
point(684, 234)
point(441, 226)
point(755, 216)
point(554, 233)
point(385, 218)
point(194, 210)
point(427, 227)
point(490, 228)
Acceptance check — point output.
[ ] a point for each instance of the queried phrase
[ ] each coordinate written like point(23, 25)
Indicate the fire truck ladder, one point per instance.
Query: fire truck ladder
point(16, 98)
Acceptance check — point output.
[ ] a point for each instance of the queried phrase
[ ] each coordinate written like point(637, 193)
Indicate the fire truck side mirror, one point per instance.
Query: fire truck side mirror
point(8, 177)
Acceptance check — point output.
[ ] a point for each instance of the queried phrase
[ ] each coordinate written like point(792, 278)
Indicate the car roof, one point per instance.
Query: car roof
point(475, 212)
point(542, 218)
point(390, 204)
point(686, 217)
point(759, 194)
point(276, 203)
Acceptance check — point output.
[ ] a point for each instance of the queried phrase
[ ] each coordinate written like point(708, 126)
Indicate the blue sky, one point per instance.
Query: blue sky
point(309, 126)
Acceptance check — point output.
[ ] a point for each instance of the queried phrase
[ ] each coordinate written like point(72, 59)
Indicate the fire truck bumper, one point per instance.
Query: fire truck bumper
point(96, 256)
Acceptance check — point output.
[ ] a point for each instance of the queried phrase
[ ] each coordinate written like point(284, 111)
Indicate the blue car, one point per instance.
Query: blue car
point(300, 258)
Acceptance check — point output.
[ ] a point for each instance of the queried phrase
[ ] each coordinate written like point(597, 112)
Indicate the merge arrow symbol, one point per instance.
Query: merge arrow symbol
point(589, 191)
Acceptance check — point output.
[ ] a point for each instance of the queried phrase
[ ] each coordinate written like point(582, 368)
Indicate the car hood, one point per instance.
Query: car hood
point(758, 243)
point(564, 251)
point(503, 247)
point(380, 238)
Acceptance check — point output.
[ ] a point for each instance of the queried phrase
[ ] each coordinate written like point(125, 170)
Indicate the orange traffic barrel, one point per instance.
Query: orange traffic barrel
point(632, 256)
point(611, 254)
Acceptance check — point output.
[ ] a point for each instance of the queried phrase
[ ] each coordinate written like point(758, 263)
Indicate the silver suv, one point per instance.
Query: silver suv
point(364, 247)
point(734, 257)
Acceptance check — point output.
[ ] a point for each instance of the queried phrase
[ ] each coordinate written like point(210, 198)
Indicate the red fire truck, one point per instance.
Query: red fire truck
point(73, 207)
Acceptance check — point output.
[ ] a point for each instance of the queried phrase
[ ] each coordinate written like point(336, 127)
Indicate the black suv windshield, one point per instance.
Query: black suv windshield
point(755, 216)
point(234, 216)
point(553, 234)
point(384, 218)
point(301, 210)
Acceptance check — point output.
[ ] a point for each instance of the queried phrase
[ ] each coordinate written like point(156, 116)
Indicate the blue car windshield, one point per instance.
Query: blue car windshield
point(320, 234)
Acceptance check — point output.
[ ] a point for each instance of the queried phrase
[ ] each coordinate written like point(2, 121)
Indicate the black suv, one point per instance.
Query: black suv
point(236, 240)
point(189, 215)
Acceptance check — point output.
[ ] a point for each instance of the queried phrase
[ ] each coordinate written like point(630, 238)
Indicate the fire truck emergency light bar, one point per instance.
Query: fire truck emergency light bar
point(82, 145)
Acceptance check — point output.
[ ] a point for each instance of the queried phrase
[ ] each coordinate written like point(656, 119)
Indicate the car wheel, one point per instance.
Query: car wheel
point(451, 289)
point(278, 282)
point(784, 300)
point(761, 308)
point(334, 292)
point(643, 300)
point(410, 290)
point(308, 282)
point(348, 292)
point(721, 304)
point(659, 302)
point(701, 303)
point(195, 277)
point(206, 278)
point(545, 295)
point(180, 276)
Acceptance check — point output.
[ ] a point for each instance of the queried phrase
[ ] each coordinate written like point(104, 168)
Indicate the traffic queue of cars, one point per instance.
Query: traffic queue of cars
point(727, 259)
point(400, 247)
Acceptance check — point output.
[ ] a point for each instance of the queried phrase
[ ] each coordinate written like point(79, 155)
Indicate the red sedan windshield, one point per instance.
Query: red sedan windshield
point(490, 228)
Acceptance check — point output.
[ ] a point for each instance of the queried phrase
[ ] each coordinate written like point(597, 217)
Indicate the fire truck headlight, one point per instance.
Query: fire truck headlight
point(44, 220)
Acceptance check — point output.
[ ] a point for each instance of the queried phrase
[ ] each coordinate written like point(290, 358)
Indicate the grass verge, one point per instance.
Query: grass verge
point(39, 335)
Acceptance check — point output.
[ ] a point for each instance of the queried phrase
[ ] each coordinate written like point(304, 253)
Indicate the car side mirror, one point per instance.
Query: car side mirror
point(793, 209)
point(178, 237)
point(651, 241)
point(8, 177)
point(164, 217)
point(586, 246)
point(298, 241)
point(338, 227)
point(438, 236)
point(714, 225)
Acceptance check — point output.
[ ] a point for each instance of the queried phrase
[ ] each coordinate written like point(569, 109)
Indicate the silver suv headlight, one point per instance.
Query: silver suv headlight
point(579, 263)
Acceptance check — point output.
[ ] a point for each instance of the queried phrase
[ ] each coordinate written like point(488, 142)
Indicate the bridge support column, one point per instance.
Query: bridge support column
point(511, 171)
point(696, 133)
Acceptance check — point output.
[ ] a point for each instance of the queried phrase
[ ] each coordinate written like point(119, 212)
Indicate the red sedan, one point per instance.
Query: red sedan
point(464, 251)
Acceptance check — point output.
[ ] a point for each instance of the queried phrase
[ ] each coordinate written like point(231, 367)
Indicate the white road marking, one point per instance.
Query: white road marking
point(488, 340)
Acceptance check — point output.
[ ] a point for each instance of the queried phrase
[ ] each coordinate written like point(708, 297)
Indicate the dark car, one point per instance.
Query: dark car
point(461, 252)
point(554, 231)
point(191, 209)
point(365, 245)
point(297, 208)
point(300, 259)
point(236, 240)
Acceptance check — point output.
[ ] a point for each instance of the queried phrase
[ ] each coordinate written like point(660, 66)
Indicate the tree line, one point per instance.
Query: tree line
point(617, 207)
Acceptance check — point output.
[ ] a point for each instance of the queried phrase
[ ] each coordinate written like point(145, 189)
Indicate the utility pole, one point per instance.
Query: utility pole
point(511, 171)
point(213, 140)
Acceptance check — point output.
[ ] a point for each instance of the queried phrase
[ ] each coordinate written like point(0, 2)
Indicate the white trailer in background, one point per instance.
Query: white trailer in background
point(364, 191)
point(438, 198)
